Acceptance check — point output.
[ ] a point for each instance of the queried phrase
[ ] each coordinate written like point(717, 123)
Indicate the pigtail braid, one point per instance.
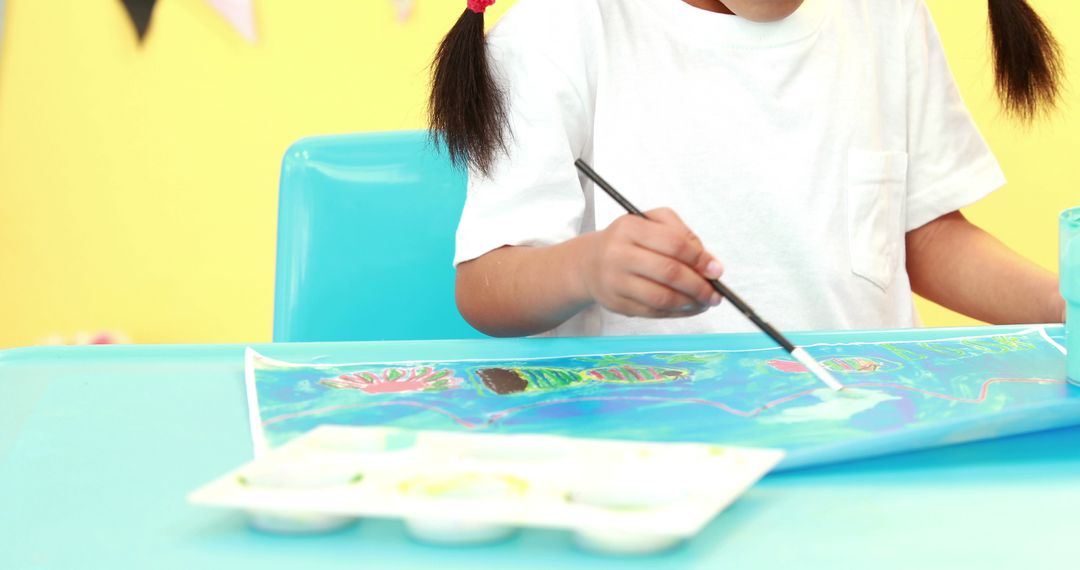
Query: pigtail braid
point(467, 109)
point(1028, 64)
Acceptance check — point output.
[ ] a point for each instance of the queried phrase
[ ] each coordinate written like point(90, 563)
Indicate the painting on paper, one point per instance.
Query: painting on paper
point(898, 396)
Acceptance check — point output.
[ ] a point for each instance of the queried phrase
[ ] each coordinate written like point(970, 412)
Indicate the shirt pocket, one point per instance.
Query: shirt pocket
point(876, 187)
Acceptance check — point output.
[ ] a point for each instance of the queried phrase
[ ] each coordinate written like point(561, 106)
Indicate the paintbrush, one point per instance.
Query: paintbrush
point(797, 353)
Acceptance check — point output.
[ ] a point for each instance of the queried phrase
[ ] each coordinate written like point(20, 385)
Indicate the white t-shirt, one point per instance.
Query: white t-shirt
point(800, 151)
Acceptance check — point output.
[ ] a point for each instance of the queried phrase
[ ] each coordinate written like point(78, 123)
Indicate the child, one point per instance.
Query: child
point(819, 149)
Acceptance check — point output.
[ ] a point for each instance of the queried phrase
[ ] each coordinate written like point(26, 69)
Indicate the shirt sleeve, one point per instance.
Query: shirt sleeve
point(950, 164)
point(533, 196)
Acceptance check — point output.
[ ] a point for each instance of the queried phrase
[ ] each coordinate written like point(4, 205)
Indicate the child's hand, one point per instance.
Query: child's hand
point(652, 267)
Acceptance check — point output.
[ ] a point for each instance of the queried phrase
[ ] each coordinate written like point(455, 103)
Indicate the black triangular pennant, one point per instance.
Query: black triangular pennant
point(140, 12)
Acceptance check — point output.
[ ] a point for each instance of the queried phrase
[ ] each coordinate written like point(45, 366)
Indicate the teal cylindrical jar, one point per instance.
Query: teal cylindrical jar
point(1069, 270)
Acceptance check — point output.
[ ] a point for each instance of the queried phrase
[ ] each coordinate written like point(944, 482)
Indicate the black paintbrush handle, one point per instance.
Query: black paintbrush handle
point(716, 284)
point(611, 191)
point(750, 314)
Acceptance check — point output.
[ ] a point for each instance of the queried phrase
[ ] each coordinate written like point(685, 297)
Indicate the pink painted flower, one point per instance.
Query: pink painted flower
point(395, 380)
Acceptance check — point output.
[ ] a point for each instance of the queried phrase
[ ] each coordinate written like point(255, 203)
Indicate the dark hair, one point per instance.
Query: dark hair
point(467, 110)
point(1028, 65)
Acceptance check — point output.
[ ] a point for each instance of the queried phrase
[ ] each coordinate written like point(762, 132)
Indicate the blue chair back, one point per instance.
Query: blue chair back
point(365, 246)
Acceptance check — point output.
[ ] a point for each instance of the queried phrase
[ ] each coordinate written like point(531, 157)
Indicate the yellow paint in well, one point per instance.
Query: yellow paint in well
point(465, 486)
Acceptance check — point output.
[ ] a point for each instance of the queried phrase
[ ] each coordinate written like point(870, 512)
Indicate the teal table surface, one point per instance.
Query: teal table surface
point(99, 447)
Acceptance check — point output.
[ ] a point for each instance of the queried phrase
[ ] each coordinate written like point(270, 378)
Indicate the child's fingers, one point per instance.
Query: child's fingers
point(671, 274)
point(650, 268)
point(632, 308)
point(671, 237)
point(647, 298)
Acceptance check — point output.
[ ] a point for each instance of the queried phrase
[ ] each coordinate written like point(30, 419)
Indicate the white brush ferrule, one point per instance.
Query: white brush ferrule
point(812, 365)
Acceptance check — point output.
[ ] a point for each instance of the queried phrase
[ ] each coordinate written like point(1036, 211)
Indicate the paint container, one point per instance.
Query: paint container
point(1069, 270)
point(530, 449)
point(451, 532)
point(284, 522)
point(625, 543)
point(297, 478)
point(627, 494)
point(457, 491)
point(627, 489)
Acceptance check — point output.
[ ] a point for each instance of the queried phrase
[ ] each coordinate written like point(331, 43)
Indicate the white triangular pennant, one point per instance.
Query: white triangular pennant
point(239, 13)
point(1, 23)
point(404, 9)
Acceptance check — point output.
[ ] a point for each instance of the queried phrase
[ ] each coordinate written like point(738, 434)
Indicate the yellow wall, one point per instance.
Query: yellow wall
point(138, 185)
point(1040, 161)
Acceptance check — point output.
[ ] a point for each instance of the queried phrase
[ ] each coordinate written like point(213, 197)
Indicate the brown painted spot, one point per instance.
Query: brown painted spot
point(503, 381)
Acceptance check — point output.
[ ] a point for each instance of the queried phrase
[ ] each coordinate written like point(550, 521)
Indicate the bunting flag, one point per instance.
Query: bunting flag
point(140, 12)
point(1, 24)
point(239, 13)
point(404, 9)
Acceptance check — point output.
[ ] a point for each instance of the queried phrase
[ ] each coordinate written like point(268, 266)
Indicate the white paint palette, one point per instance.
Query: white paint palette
point(457, 488)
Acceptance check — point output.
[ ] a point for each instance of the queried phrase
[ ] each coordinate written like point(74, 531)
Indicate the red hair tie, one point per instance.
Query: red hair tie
point(479, 6)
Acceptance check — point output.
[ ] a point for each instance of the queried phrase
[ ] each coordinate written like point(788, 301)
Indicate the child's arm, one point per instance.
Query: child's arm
point(637, 267)
point(954, 263)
